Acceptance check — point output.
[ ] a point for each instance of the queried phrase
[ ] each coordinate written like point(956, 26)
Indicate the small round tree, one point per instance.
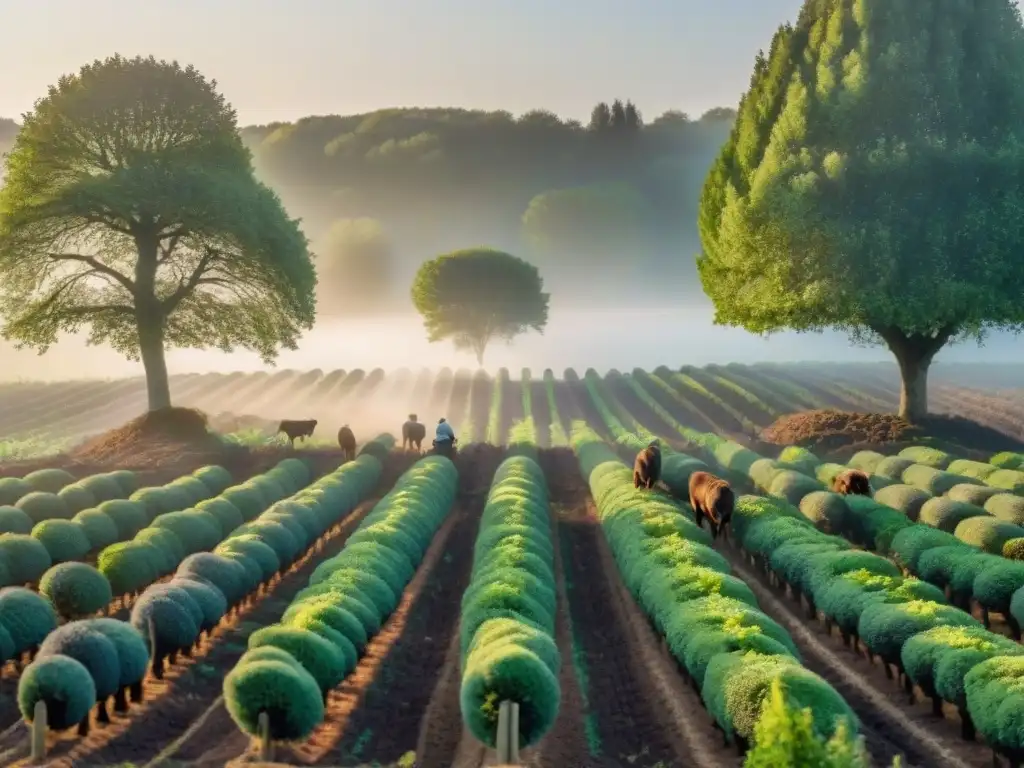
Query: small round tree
point(872, 181)
point(479, 294)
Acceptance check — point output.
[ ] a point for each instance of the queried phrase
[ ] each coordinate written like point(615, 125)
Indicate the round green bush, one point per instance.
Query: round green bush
point(127, 480)
point(227, 514)
point(175, 498)
point(255, 549)
point(987, 533)
point(1011, 480)
point(92, 649)
point(965, 570)
point(251, 574)
point(377, 563)
point(1006, 507)
point(354, 602)
point(930, 457)
point(874, 525)
point(99, 529)
point(952, 668)
point(993, 699)
point(793, 486)
point(40, 505)
point(994, 587)
point(179, 595)
point(823, 567)
point(198, 531)
point(192, 487)
point(923, 652)
point(75, 589)
point(130, 566)
point(130, 517)
point(12, 489)
point(246, 500)
point(297, 470)
point(885, 627)
point(103, 487)
point(326, 662)
point(49, 480)
point(132, 651)
point(13, 520)
point(77, 497)
point(155, 501)
point(27, 616)
point(936, 564)
point(932, 480)
point(905, 498)
point(866, 461)
point(1007, 460)
point(507, 671)
point(381, 596)
point(211, 601)
point(945, 514)
point(978, 470)
point(167, 542)
point(301, 514)
point(910, 543)
point(215, 478)
point(1013, 549)
point(6, 645)
point(275, 536)
point(226, 574)
point(25, 557)
point(63, 684)
point(294, 527)
point(65, 540)
point(893, 467)
point(304, 615)
point(173, 627)
point(801, 459)
point(290, 697)
point(826, 510)
point(978, 495)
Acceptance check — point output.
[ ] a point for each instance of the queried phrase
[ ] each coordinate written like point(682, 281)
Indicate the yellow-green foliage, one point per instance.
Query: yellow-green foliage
point(931, 457)
point(508, 609)
point(493, 434)
point(1007, 460)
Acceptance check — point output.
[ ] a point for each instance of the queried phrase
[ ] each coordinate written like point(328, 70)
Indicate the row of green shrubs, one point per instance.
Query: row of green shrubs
point(36, 491)
point(170, 617)
point(45, 530)
point(905, 621)
point(730, 650)
point(290, 666)
point(1000, 472)
point(507, 625)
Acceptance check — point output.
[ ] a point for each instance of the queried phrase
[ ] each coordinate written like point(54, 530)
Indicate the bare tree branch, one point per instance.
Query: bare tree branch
point(98, 266)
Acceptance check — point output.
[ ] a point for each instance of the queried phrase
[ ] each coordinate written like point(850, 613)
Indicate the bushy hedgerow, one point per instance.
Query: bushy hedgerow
point(41, 505)
point(676, 469)
point(1007, 507)
point(893, 467)
point(246, 499)
point(843, 599)
point(501, 663)
point(904, 498)
point(13, 520)
point(27, 616)
point(77, 497)
point(964, 572)
point(995, 586)
point(978, 495)
point(987, 533)
point(936, 565)
point(873, 524)
point(65, 540)
point(49, 480)
point(92, 649)
point(979, 470)
point(885, 627)
point(75, 589)
point(99, 529)
point(181, 597)
point(63, 684)
point(24, 558)
point(992, 695)
point(930, 457)
point(12, 489)
point(132, 650)
point(330, 622)
point(706, 616)
point(1011, 480)
point(945, 514)
point(910, 543)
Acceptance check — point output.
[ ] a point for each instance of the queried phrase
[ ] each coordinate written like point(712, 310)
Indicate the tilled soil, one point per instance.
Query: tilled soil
point(890, 725)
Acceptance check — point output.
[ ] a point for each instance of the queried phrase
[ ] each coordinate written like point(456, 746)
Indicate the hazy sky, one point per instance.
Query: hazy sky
point(278, 60)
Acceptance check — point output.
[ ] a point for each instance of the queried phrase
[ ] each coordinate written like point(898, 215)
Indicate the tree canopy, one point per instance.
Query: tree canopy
point(354, 265)
point(871, 182)
point(476, 295)
point(130, 206)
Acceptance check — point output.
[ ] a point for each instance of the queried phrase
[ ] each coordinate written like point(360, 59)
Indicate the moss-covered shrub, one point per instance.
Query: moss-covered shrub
point(965, 570)
point(156, 501)
point(167, 542)
point(994, 587)
point(276, 536)
point(304, 615)
point(27, 617)
point(215, 478)
point(945, 514)
point(987, 533)
point(924, 652)
point(63, 684)
point(992, 692)
point(254, 548)
point(930, 457)
point(893, 467)
point(65, 540)
point(130, 566)
point(227, 514)
point(1011, 480)
point(910, 543)
point(866, 461)
point(193, 488)
point(40, 506)
point(24, 557)
point(210, 600)
point(173, 627)
point(799, 459)
point(104, 487)
point(874, 525)
point(223, 572)
point(1007, 460)
point(75, 589)
point(826, 510)
point(92, 649)
point(324, 661)
point(49, 480)
point(13, 520)
point(99, 529)
point(290, 695)
point(246, 499)
point(77, 497)
point(130, 517)
point(885, 627)
point(198, 531)
point(12, 489)
point(905, 498)
point(936, 565)
point(793, 486)
point(978, 495)
point(935, 481)
point(1006, 507)
point(844, 598)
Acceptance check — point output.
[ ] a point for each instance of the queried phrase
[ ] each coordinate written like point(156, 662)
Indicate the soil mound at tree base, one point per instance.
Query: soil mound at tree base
point(842, 434)
point(155, 437)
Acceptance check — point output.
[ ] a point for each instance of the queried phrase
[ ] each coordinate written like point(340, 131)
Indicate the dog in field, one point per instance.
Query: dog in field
point(647, 466)
point(852, 482)
point(347, 441)
point(413, 433)
point(713, 498)
point(297, 429)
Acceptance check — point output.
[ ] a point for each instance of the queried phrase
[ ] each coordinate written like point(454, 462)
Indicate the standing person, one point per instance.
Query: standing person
point(444, 438)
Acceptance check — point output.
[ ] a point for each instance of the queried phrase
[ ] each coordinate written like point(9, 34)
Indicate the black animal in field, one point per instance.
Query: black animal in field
point(852, 482)
point(713, 498)
point(647, 466)
point(294, 430)
point(413, 433)
point(347, 441)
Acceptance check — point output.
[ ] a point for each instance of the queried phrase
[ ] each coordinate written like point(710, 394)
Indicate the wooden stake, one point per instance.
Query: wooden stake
point(263, 730)
point(39, 733)
point(508, 733)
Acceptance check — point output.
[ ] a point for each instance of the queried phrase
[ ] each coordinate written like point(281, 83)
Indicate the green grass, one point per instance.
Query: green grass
point(20, 448)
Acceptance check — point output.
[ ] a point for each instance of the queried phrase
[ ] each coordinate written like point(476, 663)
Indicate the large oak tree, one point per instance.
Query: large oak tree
point(872, 182)
point(130, 206)
point(476, 295)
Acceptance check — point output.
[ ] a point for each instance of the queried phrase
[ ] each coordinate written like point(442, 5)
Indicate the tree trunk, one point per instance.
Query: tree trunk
point(914, 354)
point(151, 348)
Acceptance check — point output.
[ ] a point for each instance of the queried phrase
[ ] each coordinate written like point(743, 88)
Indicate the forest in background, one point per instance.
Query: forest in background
point(598, 207)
